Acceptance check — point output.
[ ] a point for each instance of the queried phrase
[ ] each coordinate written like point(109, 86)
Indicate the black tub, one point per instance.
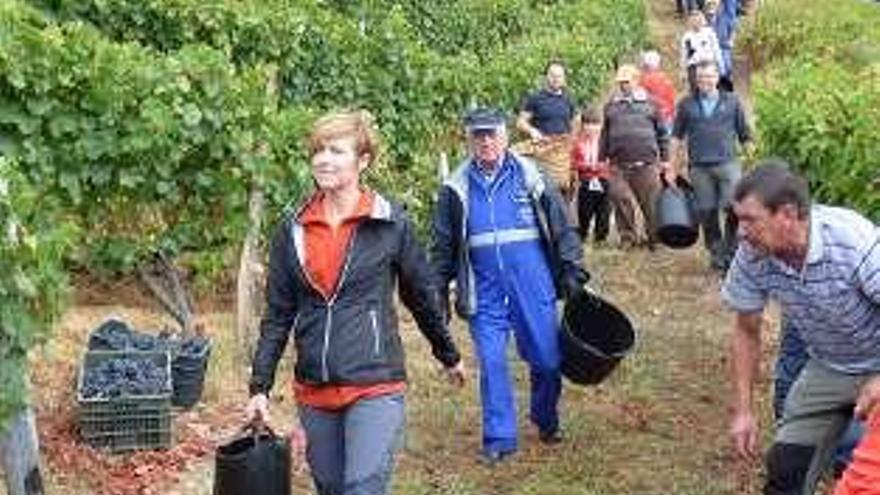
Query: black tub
point(253, 464)
point(676, 220)
point(188, 369)
point(595, 337)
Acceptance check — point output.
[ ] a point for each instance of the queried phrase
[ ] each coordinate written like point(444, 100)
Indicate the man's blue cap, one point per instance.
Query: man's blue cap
point(485, 119)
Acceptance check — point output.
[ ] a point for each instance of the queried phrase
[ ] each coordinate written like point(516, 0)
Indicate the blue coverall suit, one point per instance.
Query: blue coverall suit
point(509, 286)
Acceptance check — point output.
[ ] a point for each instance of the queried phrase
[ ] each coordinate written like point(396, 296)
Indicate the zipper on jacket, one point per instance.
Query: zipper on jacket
point(498, 257)
point(471, 302)
point(543, 221)
point(328, 323)
point(375, 323)
point(325, 372)
point(295, 323)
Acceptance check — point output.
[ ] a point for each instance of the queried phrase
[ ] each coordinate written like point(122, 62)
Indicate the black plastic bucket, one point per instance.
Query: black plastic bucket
point(188, 371)
point(253, 464)
point(595, 337)
point(676, 220)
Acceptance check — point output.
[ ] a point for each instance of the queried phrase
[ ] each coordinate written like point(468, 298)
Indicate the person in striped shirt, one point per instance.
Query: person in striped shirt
point(822, 265)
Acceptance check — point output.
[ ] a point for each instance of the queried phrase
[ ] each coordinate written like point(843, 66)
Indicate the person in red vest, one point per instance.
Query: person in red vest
point(659, 87)
point(862, 476)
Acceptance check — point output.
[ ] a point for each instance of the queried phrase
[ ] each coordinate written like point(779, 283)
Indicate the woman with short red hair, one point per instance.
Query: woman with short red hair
point(334, 268)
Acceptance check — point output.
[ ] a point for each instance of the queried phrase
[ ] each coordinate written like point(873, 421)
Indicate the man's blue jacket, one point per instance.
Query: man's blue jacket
point(449, 249)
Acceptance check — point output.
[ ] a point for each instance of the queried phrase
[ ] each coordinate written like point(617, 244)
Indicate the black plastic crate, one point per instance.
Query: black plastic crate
point(126, 423)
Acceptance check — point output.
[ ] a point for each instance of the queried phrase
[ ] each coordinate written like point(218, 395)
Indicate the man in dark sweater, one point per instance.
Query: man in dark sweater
point(633, 140)
point(713, 122)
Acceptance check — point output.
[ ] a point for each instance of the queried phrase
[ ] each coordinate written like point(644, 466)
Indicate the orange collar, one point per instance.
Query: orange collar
point(313, 212)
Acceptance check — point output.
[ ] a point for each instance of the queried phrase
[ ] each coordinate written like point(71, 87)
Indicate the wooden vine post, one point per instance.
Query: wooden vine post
point(249, 284)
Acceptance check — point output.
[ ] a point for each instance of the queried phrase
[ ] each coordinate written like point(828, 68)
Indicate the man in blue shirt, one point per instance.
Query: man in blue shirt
point(822, 265)
point(713, 122)
point(501, 232)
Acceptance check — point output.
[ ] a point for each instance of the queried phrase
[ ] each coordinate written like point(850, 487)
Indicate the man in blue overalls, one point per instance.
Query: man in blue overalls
point(501, 231)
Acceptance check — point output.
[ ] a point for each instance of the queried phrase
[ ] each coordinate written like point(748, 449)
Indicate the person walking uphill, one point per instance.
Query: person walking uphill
point(500, 230)
point(713, 122)
point(822, 265)
point(633, 140)
point(699, 43)
point(659, 87)
point(721, 16)
point(332, 272)
point(593, 205)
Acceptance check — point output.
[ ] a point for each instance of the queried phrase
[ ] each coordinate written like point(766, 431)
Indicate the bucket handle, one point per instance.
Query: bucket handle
point(256, 427)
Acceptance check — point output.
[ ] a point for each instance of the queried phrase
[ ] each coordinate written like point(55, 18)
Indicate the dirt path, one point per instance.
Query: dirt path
point(665, 27)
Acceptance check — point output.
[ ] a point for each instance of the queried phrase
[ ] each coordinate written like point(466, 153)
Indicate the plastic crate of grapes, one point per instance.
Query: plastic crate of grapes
point(124, 400)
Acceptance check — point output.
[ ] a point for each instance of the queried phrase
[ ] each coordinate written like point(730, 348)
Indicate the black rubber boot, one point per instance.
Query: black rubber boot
point(712, 237)
point(787, 466)
point(33, 484)
point(730, 240)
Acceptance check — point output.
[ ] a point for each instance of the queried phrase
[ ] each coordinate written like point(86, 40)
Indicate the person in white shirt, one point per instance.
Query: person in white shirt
point(699, 44)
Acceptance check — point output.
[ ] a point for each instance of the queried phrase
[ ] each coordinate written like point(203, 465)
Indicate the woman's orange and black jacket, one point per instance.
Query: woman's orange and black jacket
point(351, 336)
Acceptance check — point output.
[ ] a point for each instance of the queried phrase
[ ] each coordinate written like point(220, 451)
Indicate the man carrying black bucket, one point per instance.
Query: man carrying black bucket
point(634, 142)
point(822, 265)
point(712, 121)
point(501, 231)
